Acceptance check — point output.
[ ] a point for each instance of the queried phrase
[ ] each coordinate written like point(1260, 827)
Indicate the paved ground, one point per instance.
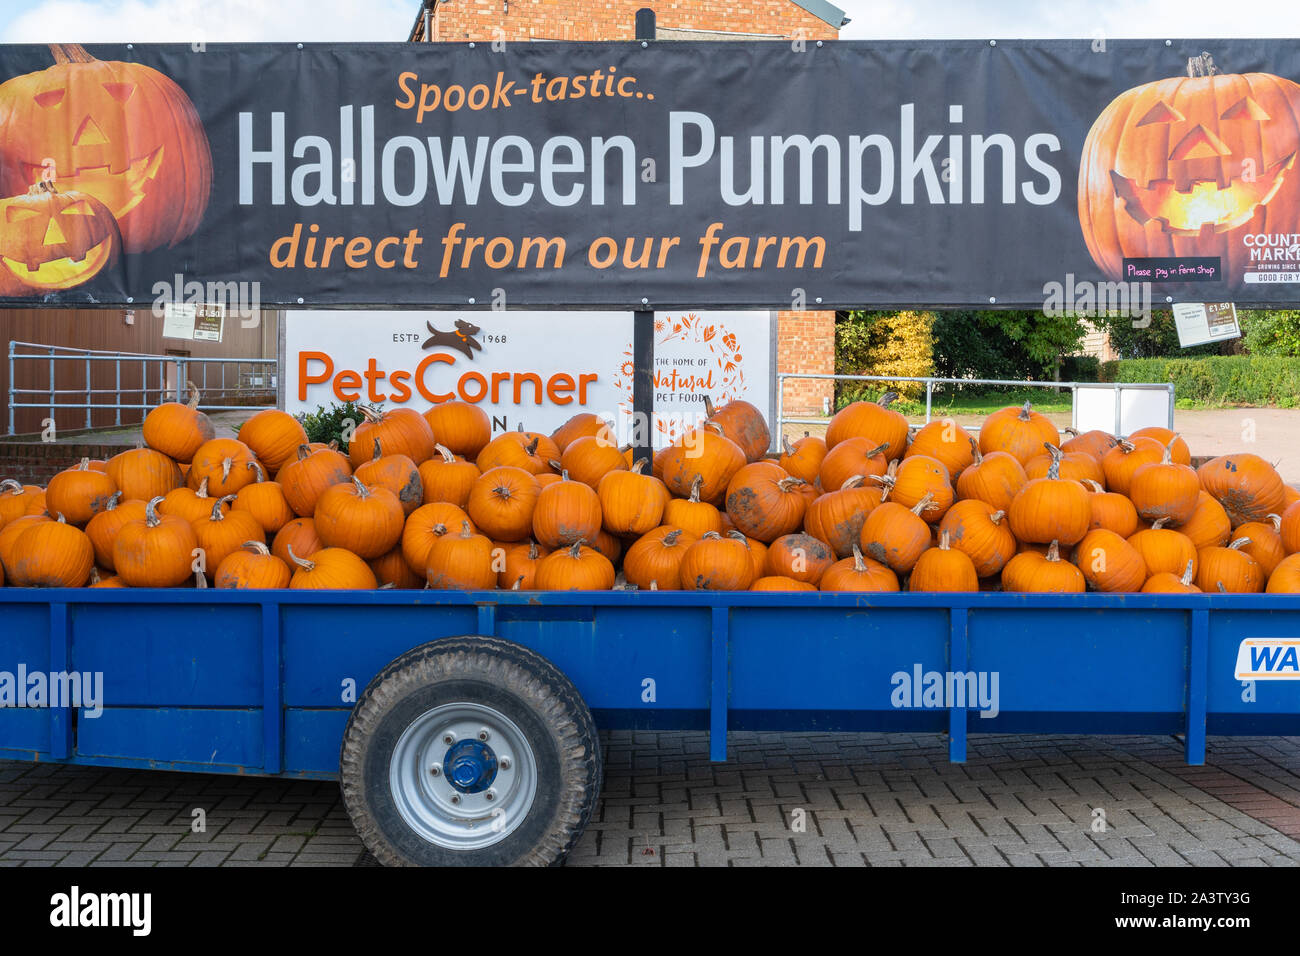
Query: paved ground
point(782, 800)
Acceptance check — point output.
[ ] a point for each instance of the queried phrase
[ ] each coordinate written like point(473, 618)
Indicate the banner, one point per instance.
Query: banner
point(529, 370)
point(1077, 174)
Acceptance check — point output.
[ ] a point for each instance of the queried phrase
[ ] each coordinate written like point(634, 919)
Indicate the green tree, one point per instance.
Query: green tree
point(1271, 333)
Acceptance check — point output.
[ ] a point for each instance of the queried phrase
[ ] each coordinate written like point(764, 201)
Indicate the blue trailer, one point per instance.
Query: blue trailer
point(462, 726)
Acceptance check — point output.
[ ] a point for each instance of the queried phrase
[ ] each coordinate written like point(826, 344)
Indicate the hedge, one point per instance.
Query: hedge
point(1217, 379)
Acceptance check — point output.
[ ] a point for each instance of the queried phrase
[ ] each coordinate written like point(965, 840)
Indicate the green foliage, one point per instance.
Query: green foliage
point(1004, 344)
point(883, 343)
point(1158, 339)
point(1080, 368)
point(1217, 380)
point(1271, 333)
point(331, 424)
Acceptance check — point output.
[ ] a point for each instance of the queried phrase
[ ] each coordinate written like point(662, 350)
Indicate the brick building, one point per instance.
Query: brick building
point(805, 340)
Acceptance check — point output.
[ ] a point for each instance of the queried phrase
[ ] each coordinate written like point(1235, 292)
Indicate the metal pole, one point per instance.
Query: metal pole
point(929, 392)
point(117, 402)
point(780, 411)
point(1119, 401)
point(643, 328)
point(87, 392)
point(52, 421)
point(11, 388)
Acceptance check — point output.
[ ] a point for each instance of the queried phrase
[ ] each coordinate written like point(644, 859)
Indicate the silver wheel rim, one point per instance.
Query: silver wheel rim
point(432, 795)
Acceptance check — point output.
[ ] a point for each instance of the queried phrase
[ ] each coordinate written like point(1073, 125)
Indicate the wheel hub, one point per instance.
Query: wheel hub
point(470, 766)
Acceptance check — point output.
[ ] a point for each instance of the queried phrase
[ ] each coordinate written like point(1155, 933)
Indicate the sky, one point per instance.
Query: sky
point(30, 21)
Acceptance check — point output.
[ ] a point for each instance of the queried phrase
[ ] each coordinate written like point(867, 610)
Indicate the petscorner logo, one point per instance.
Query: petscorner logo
point(81, 689)
point(946, 689)
point(1268, 658)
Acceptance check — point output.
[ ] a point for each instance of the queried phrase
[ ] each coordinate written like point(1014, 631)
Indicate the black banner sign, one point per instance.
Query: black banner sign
point(766, 174)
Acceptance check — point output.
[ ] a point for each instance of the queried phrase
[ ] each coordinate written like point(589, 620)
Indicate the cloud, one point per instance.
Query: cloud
point(210, 21)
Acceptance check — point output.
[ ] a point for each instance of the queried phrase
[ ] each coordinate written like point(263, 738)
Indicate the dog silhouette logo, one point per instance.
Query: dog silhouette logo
point(460, 338)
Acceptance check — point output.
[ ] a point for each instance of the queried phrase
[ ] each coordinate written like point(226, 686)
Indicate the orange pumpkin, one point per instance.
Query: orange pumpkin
point(763, 505)
point(945, 441)
point(462, 428)
point(1109, 563)
point(51, 554)
point(102, 529)
point(9, 535)
point(397, 473)
point(1164, 550)
point(527, 450)
point(444, 477)
point(1165, 489)
point(157, 552)
point(300, 535)
point(426, 525)
point(79, 493)
point(1285, 578)
point(518, 563)
point(1289, 528)
point(566, 513)
point(1265, 542)
point(179, 430)
point(253, 566)
point(53, 239)
point(1178, 449)
point(17, 500)
point(143, 473)
point(265, 501)
point(859, 573)
point(501, 503)
point(853, 456)
point(331, 569)
point(1166, 582)
point(188, 503)
point(1076, 465)
point(778, 583)
point(274, 437)
point(1209, 525)
point(1248, 487)
point(590, 458)
point(1121, 462)
point(995, 478)
point(715, 563)
point(837, 516)
point(576, 568)
point(1111, 510)
point(943, 569)
point(1051, 509)
point(305, 478)
point(981, 533)
point(798, 556)
point(1095, 443)
point(582, 425)
point(704, 453)
point(918, 477)
point(631, 502)
point(403, 431)
point(895, 535)
point(874, 421)
point(654, 560)
point(222, 533)
point(224, 463)
point(1229, 569)
point(1030, 571)
point(691, 514)
point(462, 561)
point(365, 519)
point(743, 424)
point(1020, 432)
point(804, 458)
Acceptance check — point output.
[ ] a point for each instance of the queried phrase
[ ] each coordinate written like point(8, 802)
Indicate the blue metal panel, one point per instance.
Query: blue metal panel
point(164, 734)
point(272, 690)
point(24, 732)
point(1258, 703)
point(958, 655)
point(312, 739)
point(719, 683)
point(60, 663)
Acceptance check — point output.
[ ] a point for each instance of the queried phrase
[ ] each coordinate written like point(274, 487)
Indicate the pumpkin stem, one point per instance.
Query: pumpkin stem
point(885, 400)
point(997, 516)
point(1054, 550)
point(737, 536)
point(852, 482)
point(708, 406)
point(1159, 523)
point(362, 490)
point(94, 576)
point(639, 464)
point(70, 53)
point(377, 453)
point(943, 540)
point(1168, 457)
point(445, 452)
point(257, 470)
point(1072, 432)
point(576, 550)
point(1025, 414)
point(878, 450)
point(711, 536)
point(464, 530)
point(789, 484)
point(304, 452)
point(555, 465)
point(1222, 589)
point(84, 465)
point(301, 562)
point(113, 501)
point(1240, 543)
point(8, 484)
point(1202, 65)
point(975, 450)
point(226, 465)
point(923, 504)
point(195, 395)
point(61, 519)
point(1277, 522)
point(151, 512)
point(518, 581)
point(1126, 446)
point(785, 443)
point(439, 529)
point(218, 510)
point(532, 550)
point(257, 547)
point(531, 447)
point(671, 537)
point(1055, 452)
point(715, 427)
point(370, 413)
point(564, 474)
point(1091, 485)
point(696, 484)
point(858, 564)
point(1054, 469)
point(1187, 573)
point(654, 584)
point(203, 488)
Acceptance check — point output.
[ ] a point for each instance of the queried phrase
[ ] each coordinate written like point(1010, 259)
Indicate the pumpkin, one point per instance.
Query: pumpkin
point(1020, 432)
point(1051, 509)
point(631, 502)
point(1109, 563)
point(743, 424)
point(464, 429)
point(590, 458)
point(102, 529)
point(1178, 449)
point(444, 477)
point(527, 450)
point(655, 558)
point(918, 477)
point(518, 565)
point(54, 239)
point(567, 512)
point(1111, 510)
point(582, 425)
point(1289, 528)
point(1248, 487)
point(895, 535)
point(365, 519)
point(330, 569)
point(1166, 582)
point(157, 552)
point(1285, 578)
point(1209, 525)
point(576, 568)
point(691, 514)
point(763, 506)
point(943, 569)
point(837, 516)
point(980, 532)
point(1075, 466)
point(17, 500)
point(1229, 569)
point(427, 524)
point(995, 478)
point(1121, 462)
point(798, 556)
point(945, 441)
point(705, 453)
point(224, 463)
point(188, 503)
point(1030, 571)
point(265, 501)
point(462, 560)
point(853, 456)
point(778, 583)
point(1165, 489)
point(1095, 442)
point(143, 473)
point(1164, 550)
point(252, 567)
point(140, 149)
point(79, 493)
point(502, 501)
point(179, 430)
point(397, 473)
point(305, 478)
point(1265, 542)
point(859, 573)
point(403, 431)
point(715, 563)
point(273, 436)
point(223, 532)
point(757, 550)
point(1188, 166)
point(804, 458)
point(300, 535)
point(51, 554)
point(875, 421)
point(98, 580)
point(10, 534)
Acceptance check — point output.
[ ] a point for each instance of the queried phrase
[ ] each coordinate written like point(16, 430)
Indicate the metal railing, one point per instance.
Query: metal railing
point(160, 378)
point(1118, 387)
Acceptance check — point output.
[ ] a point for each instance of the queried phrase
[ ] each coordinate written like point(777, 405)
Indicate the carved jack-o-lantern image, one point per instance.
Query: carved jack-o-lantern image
point(51, 239)
point(121, 132)
point(1189, 166)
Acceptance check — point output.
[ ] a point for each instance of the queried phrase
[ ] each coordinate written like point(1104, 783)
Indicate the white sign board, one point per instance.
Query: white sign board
point(535, 369)
point(197, 323)
point(1121, 410)
point(1202, 322)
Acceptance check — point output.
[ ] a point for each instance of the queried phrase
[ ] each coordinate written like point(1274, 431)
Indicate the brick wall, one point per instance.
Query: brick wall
point(35, 463)
point(805, 340)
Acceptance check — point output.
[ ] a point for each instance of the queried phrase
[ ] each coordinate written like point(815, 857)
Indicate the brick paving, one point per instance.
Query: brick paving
point(781, 800)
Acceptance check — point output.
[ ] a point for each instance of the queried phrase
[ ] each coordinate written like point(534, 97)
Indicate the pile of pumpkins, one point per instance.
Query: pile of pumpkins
point(434, 500)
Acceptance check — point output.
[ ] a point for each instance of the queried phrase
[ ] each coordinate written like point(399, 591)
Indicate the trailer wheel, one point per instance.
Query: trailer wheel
point(470, 751)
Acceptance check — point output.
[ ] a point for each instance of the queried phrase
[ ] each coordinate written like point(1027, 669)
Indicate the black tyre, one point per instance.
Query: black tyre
point(470, 751)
